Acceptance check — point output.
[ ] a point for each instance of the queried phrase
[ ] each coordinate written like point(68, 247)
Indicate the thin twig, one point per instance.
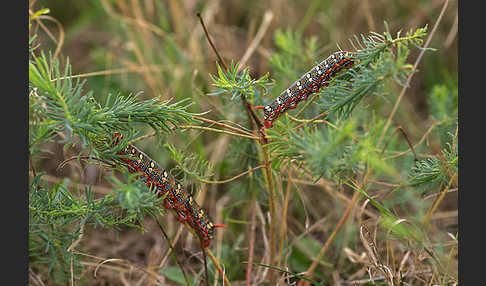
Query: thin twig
point(35, 278)
point(416, 145)
point(173, 252)
point(205, 264)
point(246, 104)
point(222, 125)
point(408, 141)
point(363, 281)
point(305, 121)
point(439, 200)
point(272, 198)
point(63, 163)
point(216, 264)
point(283, 227)
point(399, 128)
point(233, 178)
point(217, 130)
point(437, 194)
point(59, 42)
point(138, 69)
point(220, 59)
point(384, 183)
point(175, 240)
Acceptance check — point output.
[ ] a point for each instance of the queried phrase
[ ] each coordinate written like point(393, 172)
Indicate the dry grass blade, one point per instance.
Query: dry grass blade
point(417, 61)
point(98, 265)
point(59, 42)
point(34, 278)
point(267, 19)
point(373, 255)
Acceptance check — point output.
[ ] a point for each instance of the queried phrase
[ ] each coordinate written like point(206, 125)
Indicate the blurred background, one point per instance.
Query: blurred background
point(159, 47)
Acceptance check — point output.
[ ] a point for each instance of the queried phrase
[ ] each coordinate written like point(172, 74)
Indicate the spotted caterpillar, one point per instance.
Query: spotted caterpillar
point(309, 83)
point(177, 199)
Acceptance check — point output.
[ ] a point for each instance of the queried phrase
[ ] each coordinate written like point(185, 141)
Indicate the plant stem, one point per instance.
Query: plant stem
point(173, 252)
point(217, 130)
point(216, 263)
point(233, 178)
point(439, 200)
point(271, 203)
point(283, 228)
point(222, 125)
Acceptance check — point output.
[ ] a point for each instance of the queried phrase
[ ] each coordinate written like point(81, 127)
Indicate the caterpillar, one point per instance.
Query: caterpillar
point(177, 199)
point(309, 83)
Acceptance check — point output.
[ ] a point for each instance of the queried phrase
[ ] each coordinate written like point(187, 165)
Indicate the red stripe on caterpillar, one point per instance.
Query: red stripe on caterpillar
point(177, 199)
point(308, 84)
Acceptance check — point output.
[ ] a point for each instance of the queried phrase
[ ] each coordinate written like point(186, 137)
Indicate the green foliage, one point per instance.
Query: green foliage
point(61, 112)
point(57, 216)
point(432, 171)
point(380, 58)
point(59, 105)
point(237, 83)
point(443, 102)
point(330, 151)
point(193, 165)
point(344, 147)
point(135, 197)
point(293, 57)
point(175, 274)
point(323, 150)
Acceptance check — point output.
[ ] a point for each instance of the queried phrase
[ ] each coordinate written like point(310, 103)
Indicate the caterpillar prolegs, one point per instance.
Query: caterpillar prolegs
point(309, 83)
point(177, 199)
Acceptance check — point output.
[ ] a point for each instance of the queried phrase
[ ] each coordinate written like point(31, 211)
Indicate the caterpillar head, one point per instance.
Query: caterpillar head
point(268, 123)
point(207, 228)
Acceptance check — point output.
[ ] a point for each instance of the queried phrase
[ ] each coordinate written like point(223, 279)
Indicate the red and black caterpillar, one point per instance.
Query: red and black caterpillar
point(177, 199)
point(309, 83)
